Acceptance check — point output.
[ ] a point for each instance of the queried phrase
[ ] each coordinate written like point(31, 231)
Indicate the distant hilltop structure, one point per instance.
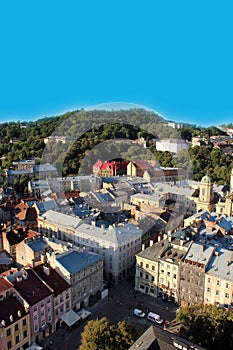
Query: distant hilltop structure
point(180, 125)
point(57, 139)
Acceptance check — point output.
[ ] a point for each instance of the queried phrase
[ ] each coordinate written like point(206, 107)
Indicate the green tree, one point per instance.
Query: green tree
point(207, 325)
point(103, 335)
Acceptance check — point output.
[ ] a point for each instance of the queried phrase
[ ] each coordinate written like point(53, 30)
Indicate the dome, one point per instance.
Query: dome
point(206, 179)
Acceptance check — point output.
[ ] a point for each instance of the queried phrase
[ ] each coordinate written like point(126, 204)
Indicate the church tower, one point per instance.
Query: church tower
point(205, 200)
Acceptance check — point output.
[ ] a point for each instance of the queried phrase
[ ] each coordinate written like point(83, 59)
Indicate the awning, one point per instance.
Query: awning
point(83, 313)
point(34, 346)
point(70, 318)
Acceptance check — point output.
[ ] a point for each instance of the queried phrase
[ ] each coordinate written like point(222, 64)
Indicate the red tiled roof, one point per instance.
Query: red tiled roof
point(32, 289)
point(28, 214)
point(98, 164)
point(53, 279)
point(4, 284)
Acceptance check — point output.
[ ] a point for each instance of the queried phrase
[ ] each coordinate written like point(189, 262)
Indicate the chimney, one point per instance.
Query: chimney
point(159, 238)
point(46, 270)
point(181, 242)
point(143, 246)
point(151, 242)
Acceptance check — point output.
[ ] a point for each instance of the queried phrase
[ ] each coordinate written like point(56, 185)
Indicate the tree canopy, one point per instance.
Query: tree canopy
point(207, 325)
point(100, 334)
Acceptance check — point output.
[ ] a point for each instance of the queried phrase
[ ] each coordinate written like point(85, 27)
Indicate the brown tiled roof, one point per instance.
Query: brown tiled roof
point(18, 235)
point(54, 280)
point(28, 214)
point(4, 285)
point(32, 289)
point(10, 307)
point(21, 206)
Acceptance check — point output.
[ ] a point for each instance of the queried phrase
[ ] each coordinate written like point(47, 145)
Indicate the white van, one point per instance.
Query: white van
point(154, 318)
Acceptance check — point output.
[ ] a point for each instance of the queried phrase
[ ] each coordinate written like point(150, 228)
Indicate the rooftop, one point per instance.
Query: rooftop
point(75, 261)
point(11, 310)
point(52, 278)
point(61, 219)
point(38, 244)
point(29, 286)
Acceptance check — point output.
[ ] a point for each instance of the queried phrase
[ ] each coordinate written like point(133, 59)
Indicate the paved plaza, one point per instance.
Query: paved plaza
point(118, 306)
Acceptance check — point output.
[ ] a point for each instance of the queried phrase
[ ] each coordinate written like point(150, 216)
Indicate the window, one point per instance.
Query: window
point(174, 276)
point(25, 334)
point(147, 266)
point(9, 344)
point(218, 283)
point(209, 280)
point(36, 328)
point(152, 278)
point(24, 322)
point(153, 267)
point(208, 290)
point(42, 305)
point(227, 285)
point(226, 295)
point(16, 327)
point(8, 332)
point(17, 339)
point(141, 274)
point(147, 276)
point(217, 292)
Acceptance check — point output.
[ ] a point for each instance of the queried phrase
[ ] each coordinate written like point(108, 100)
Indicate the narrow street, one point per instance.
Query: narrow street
point(117, 307)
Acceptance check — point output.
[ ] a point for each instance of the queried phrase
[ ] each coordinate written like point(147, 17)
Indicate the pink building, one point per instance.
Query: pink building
point(38, 297)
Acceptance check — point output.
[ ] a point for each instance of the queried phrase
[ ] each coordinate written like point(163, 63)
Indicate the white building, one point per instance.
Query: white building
point(171, 145)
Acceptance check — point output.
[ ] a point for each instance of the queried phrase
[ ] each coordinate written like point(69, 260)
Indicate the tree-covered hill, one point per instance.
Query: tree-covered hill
point(95, 132)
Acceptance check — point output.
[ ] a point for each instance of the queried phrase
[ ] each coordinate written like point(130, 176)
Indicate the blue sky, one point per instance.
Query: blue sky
point(172, 56)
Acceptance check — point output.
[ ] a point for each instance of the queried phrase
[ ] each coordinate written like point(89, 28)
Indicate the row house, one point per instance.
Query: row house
point(61, 289)
point(14, 319)
point(219, 279)
point(38, 299)
point(157, 268)
point(84, 272)
point(192, 273)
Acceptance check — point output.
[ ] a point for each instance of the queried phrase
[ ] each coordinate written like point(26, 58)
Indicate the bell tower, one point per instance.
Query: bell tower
point(205, 201)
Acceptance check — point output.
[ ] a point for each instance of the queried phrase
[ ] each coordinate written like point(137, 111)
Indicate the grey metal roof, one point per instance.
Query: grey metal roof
point(121, 233)
point(75, 261)
point(46, 206)
point(221, 265)
point(200, 253)
point(62, 219)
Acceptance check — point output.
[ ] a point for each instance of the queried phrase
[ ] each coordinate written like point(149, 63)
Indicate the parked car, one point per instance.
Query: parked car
point(155, 318)
point(139, 313)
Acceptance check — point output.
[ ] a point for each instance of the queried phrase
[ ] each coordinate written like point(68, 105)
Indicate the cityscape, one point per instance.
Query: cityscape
point(136, 235)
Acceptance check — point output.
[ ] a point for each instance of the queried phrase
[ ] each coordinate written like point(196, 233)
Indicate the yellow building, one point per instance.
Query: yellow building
point(157, 268)
point(15, 324)
point(219, 279)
